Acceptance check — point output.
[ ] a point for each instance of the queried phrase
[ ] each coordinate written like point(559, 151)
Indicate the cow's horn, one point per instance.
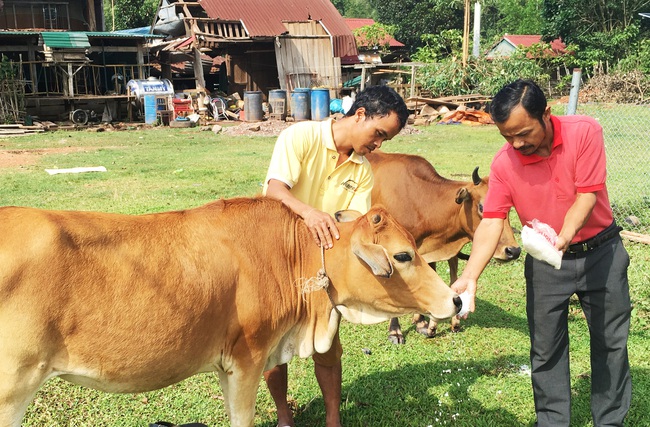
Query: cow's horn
point(475, 177)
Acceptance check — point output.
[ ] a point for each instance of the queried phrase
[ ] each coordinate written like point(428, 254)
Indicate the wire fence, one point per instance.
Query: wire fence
point(626, 129)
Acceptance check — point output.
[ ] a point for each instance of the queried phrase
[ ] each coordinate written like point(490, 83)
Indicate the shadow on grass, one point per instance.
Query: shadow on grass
point(487, 316)
point(399, 398)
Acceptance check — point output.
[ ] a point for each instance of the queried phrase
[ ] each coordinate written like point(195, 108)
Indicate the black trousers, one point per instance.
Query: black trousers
point(599, 279)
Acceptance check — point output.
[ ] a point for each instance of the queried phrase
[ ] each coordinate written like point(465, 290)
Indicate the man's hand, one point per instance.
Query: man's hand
point(466, 285)
point(322, 227)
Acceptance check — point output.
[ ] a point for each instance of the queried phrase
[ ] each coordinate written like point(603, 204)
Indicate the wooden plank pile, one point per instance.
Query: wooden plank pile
point(17, 129)
point(465, 109)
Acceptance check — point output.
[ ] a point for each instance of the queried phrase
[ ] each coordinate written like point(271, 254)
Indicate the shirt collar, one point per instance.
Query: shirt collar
point(328, 137)
point(557, 141)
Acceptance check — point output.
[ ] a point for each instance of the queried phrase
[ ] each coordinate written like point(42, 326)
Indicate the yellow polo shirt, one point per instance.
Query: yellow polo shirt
point(305, 159)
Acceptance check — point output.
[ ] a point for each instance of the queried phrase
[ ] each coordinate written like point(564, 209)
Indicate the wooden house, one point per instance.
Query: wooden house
point(258, 44)
point(509, 43)
point(64, 59)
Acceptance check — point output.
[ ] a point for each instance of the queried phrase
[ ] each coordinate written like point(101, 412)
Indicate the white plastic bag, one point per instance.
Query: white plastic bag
point(539, 241)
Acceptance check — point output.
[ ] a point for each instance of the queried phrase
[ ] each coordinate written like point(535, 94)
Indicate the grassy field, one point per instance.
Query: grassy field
point(478, 377)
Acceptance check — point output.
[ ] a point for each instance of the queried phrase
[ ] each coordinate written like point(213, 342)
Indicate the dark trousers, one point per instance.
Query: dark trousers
point(599, 279)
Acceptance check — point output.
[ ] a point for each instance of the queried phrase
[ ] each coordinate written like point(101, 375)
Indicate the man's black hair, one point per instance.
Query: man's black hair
point(520, 92)
point(380, 101)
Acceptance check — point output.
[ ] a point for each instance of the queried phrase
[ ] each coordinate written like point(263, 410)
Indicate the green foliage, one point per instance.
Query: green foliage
point(604, 31)
point(376, 36)
point(8, 69)
point(355, 8)
point(413, 18)
point(439, 46)
point(510, 16)
point(126, 14)
point(448, 77)
point(638, 60)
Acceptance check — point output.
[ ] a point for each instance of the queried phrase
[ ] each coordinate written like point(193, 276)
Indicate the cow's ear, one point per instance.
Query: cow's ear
point(462, 195)
point(346, 215)
point(375, 256)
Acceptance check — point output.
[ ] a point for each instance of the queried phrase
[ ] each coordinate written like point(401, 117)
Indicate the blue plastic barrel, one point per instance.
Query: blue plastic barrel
point(278, 103)
point(300, 104)
point(253, 106)
point(320, 103)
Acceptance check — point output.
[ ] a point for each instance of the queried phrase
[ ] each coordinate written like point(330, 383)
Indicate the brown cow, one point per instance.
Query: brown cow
point(441, 214)
point(126, 303)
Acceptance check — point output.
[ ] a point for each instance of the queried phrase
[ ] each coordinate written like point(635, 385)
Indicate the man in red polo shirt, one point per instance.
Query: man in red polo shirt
point(553, 169)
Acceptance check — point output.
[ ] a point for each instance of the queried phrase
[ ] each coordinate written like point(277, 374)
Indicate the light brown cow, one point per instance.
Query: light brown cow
point(441, 214)
point(126, 303)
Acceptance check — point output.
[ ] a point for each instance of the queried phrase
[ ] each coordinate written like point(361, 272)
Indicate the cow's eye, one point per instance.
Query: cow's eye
point(480, 209)
point(403, 257)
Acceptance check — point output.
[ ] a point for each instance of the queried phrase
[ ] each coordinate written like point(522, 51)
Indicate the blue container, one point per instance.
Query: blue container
point(278, 103)
point(320, 103)
point(253, 106)
point(300, 104)
point(150, 109)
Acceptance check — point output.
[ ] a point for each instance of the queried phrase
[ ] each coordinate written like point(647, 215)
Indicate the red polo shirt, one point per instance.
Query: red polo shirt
point(545, 187)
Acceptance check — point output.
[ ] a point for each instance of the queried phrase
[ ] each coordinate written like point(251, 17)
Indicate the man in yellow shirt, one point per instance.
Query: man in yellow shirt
point(318, 168)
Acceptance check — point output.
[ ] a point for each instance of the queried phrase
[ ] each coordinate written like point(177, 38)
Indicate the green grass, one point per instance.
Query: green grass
point(473, 378)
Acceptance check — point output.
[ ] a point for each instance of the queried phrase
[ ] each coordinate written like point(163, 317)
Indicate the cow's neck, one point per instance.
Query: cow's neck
point(314, 322)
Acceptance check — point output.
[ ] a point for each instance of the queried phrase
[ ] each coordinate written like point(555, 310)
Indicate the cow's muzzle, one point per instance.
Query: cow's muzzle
point(512, 252)
point(458, 303)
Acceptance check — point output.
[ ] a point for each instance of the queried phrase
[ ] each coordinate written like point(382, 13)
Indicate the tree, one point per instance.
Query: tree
point(123, 14)
point(375, 36)
point(510, 16)
point(355, 8)
point(413, 18)
point(604, 30)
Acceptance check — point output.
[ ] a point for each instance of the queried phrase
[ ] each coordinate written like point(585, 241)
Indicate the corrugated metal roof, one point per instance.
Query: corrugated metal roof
point(528, 40)
point(18, 33)
point(133, 33)
point(66, 39)
point(263, 18)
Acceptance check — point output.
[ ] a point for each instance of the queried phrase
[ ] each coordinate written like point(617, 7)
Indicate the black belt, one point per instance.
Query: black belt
point(600, 238)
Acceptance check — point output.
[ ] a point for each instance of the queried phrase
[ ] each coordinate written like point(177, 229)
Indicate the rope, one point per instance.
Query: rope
point(321, 281)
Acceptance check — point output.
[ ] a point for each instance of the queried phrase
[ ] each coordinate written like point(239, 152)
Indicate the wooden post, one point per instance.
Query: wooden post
point(363, 77)
point(33, 75)
point(140, 59)
point(70, 80)
point(198, 70)
point(92, 18)
point(466, 33)
point(412, 81)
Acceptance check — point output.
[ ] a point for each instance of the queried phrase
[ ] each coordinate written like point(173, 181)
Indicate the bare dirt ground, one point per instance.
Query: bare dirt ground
point(274, 127)
point(22, 158)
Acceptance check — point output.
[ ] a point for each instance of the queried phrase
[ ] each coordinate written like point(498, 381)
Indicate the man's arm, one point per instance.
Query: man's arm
point(575, 218)
point(321, 224)
point(484, 244)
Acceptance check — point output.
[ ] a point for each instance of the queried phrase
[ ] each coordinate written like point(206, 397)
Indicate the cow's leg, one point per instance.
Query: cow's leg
point(424, 326)
point(239, 393)
point(18, 385)
point(395, 332)
point(453, 276)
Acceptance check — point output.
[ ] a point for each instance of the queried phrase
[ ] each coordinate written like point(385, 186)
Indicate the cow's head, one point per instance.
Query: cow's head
point(384, 276)
point(471, 199)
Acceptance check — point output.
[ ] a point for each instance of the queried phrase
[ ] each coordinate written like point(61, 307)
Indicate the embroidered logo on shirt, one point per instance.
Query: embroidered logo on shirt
point(350, 185)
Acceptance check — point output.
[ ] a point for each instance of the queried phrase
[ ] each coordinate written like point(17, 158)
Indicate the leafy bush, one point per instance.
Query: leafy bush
point(484, 76)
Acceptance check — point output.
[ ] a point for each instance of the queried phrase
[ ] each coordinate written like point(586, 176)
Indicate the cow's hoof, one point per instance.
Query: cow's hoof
point(424, 329)
point(430, 333)
point(455, 328)
point(396, 339)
